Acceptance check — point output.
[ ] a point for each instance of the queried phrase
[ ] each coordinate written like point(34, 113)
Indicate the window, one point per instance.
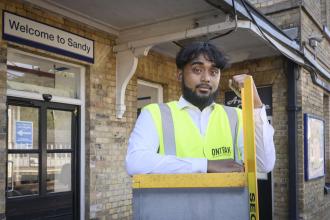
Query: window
point(147, 93)
point(27, 73)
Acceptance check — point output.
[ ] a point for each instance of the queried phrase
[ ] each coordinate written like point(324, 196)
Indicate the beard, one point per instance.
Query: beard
point(198, 100)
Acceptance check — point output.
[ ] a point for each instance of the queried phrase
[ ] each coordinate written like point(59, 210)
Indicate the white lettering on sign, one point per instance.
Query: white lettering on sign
point(26, 31)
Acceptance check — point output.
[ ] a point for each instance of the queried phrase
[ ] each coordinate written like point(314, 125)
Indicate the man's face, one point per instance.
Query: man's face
point(200, 81)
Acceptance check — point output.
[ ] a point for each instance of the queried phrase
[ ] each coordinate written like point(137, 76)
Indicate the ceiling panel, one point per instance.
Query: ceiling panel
point(238, 46)
point(148, 18)
point(125, 14)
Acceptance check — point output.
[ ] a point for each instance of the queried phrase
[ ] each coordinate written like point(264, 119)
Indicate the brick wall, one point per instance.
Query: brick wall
point(280, 120)
point(312, 6)
point(325, 12)
point(265, 3)
point(315, 204)
point(286, 19)
point(284, 14)
point(3, 127)
point(109, 184)
point(324, 5)
point(314, 9)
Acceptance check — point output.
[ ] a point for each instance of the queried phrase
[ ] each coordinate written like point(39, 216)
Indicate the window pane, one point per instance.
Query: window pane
point(58, 129)
point(23, 127)
point(33, 74)
point(23, 175)
point(146, 95)
point(58, 172)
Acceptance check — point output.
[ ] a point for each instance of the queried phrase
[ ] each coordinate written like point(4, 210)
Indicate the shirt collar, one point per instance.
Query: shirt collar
point(183, 103)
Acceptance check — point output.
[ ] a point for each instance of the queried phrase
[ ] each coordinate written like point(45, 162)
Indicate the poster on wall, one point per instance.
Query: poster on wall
point(314, 146)
point(265, 94)
point(24, 134)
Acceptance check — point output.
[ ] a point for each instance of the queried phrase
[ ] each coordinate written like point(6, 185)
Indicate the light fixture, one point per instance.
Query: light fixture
point(314, 41)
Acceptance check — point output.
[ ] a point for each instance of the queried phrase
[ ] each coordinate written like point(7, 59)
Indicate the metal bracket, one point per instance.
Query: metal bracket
point(126, 63)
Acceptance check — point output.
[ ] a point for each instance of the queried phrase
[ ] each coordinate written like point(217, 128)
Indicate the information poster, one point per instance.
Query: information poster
point(314, 146)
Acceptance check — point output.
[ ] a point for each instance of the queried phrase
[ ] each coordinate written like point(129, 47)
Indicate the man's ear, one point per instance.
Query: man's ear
point(180, 75)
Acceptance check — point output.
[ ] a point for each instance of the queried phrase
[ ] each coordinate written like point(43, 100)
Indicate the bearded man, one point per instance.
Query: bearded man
point(194, 134)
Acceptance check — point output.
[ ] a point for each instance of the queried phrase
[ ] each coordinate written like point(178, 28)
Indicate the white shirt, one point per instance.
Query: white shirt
point(143, 144)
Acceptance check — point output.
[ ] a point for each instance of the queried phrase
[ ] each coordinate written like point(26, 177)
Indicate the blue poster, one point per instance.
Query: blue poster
point(24, 132)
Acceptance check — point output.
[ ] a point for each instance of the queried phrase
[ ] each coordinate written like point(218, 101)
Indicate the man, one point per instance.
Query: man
point(195, 135)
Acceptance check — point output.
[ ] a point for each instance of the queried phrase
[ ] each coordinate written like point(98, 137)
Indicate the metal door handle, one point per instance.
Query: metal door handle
point(12, 171)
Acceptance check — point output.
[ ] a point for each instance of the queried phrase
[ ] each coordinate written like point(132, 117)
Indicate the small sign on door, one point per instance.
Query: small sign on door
point(24, 134)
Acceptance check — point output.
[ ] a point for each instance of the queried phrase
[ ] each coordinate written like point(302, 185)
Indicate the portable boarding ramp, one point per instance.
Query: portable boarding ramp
point(212, 196)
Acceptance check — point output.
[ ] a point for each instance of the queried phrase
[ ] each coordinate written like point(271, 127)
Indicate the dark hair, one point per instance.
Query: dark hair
point(193, 50)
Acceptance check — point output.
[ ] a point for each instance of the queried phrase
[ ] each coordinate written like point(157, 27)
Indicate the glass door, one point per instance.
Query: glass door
point(42, 165)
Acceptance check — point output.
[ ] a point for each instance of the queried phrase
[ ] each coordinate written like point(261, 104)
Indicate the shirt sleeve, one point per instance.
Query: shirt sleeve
point(142, 156)
point(264, 136)
point(265, 148)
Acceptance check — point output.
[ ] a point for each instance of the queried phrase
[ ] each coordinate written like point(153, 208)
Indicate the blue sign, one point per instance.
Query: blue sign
point(24, 132)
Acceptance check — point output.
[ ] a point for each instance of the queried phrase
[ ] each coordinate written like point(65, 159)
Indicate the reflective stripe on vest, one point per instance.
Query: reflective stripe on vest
point(234, 128)
point(199, 146)
point(168, 129)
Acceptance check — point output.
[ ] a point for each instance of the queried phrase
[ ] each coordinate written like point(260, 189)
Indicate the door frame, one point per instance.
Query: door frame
point(43, 106)
point(79, 102)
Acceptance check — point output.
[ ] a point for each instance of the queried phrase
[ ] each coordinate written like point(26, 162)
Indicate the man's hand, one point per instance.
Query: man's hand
point(237, 82)
point(223, 166)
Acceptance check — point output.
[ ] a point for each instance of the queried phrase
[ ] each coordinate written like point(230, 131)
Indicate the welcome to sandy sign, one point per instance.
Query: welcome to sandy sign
point(26, 31)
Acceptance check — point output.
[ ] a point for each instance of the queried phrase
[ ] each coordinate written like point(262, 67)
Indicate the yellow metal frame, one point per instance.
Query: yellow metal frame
point(249, 146)
point(197, 180)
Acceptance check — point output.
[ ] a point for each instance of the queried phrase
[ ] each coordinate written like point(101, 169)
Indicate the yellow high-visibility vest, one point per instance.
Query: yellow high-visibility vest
point(178, 135)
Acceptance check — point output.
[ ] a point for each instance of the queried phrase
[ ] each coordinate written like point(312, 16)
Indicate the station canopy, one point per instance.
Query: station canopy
point(164, 26)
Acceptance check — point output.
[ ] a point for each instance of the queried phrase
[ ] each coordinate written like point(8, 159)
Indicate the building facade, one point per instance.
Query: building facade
point(94, 102)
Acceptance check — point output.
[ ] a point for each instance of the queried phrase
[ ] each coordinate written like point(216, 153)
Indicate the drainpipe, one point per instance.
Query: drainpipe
point(293, 109)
